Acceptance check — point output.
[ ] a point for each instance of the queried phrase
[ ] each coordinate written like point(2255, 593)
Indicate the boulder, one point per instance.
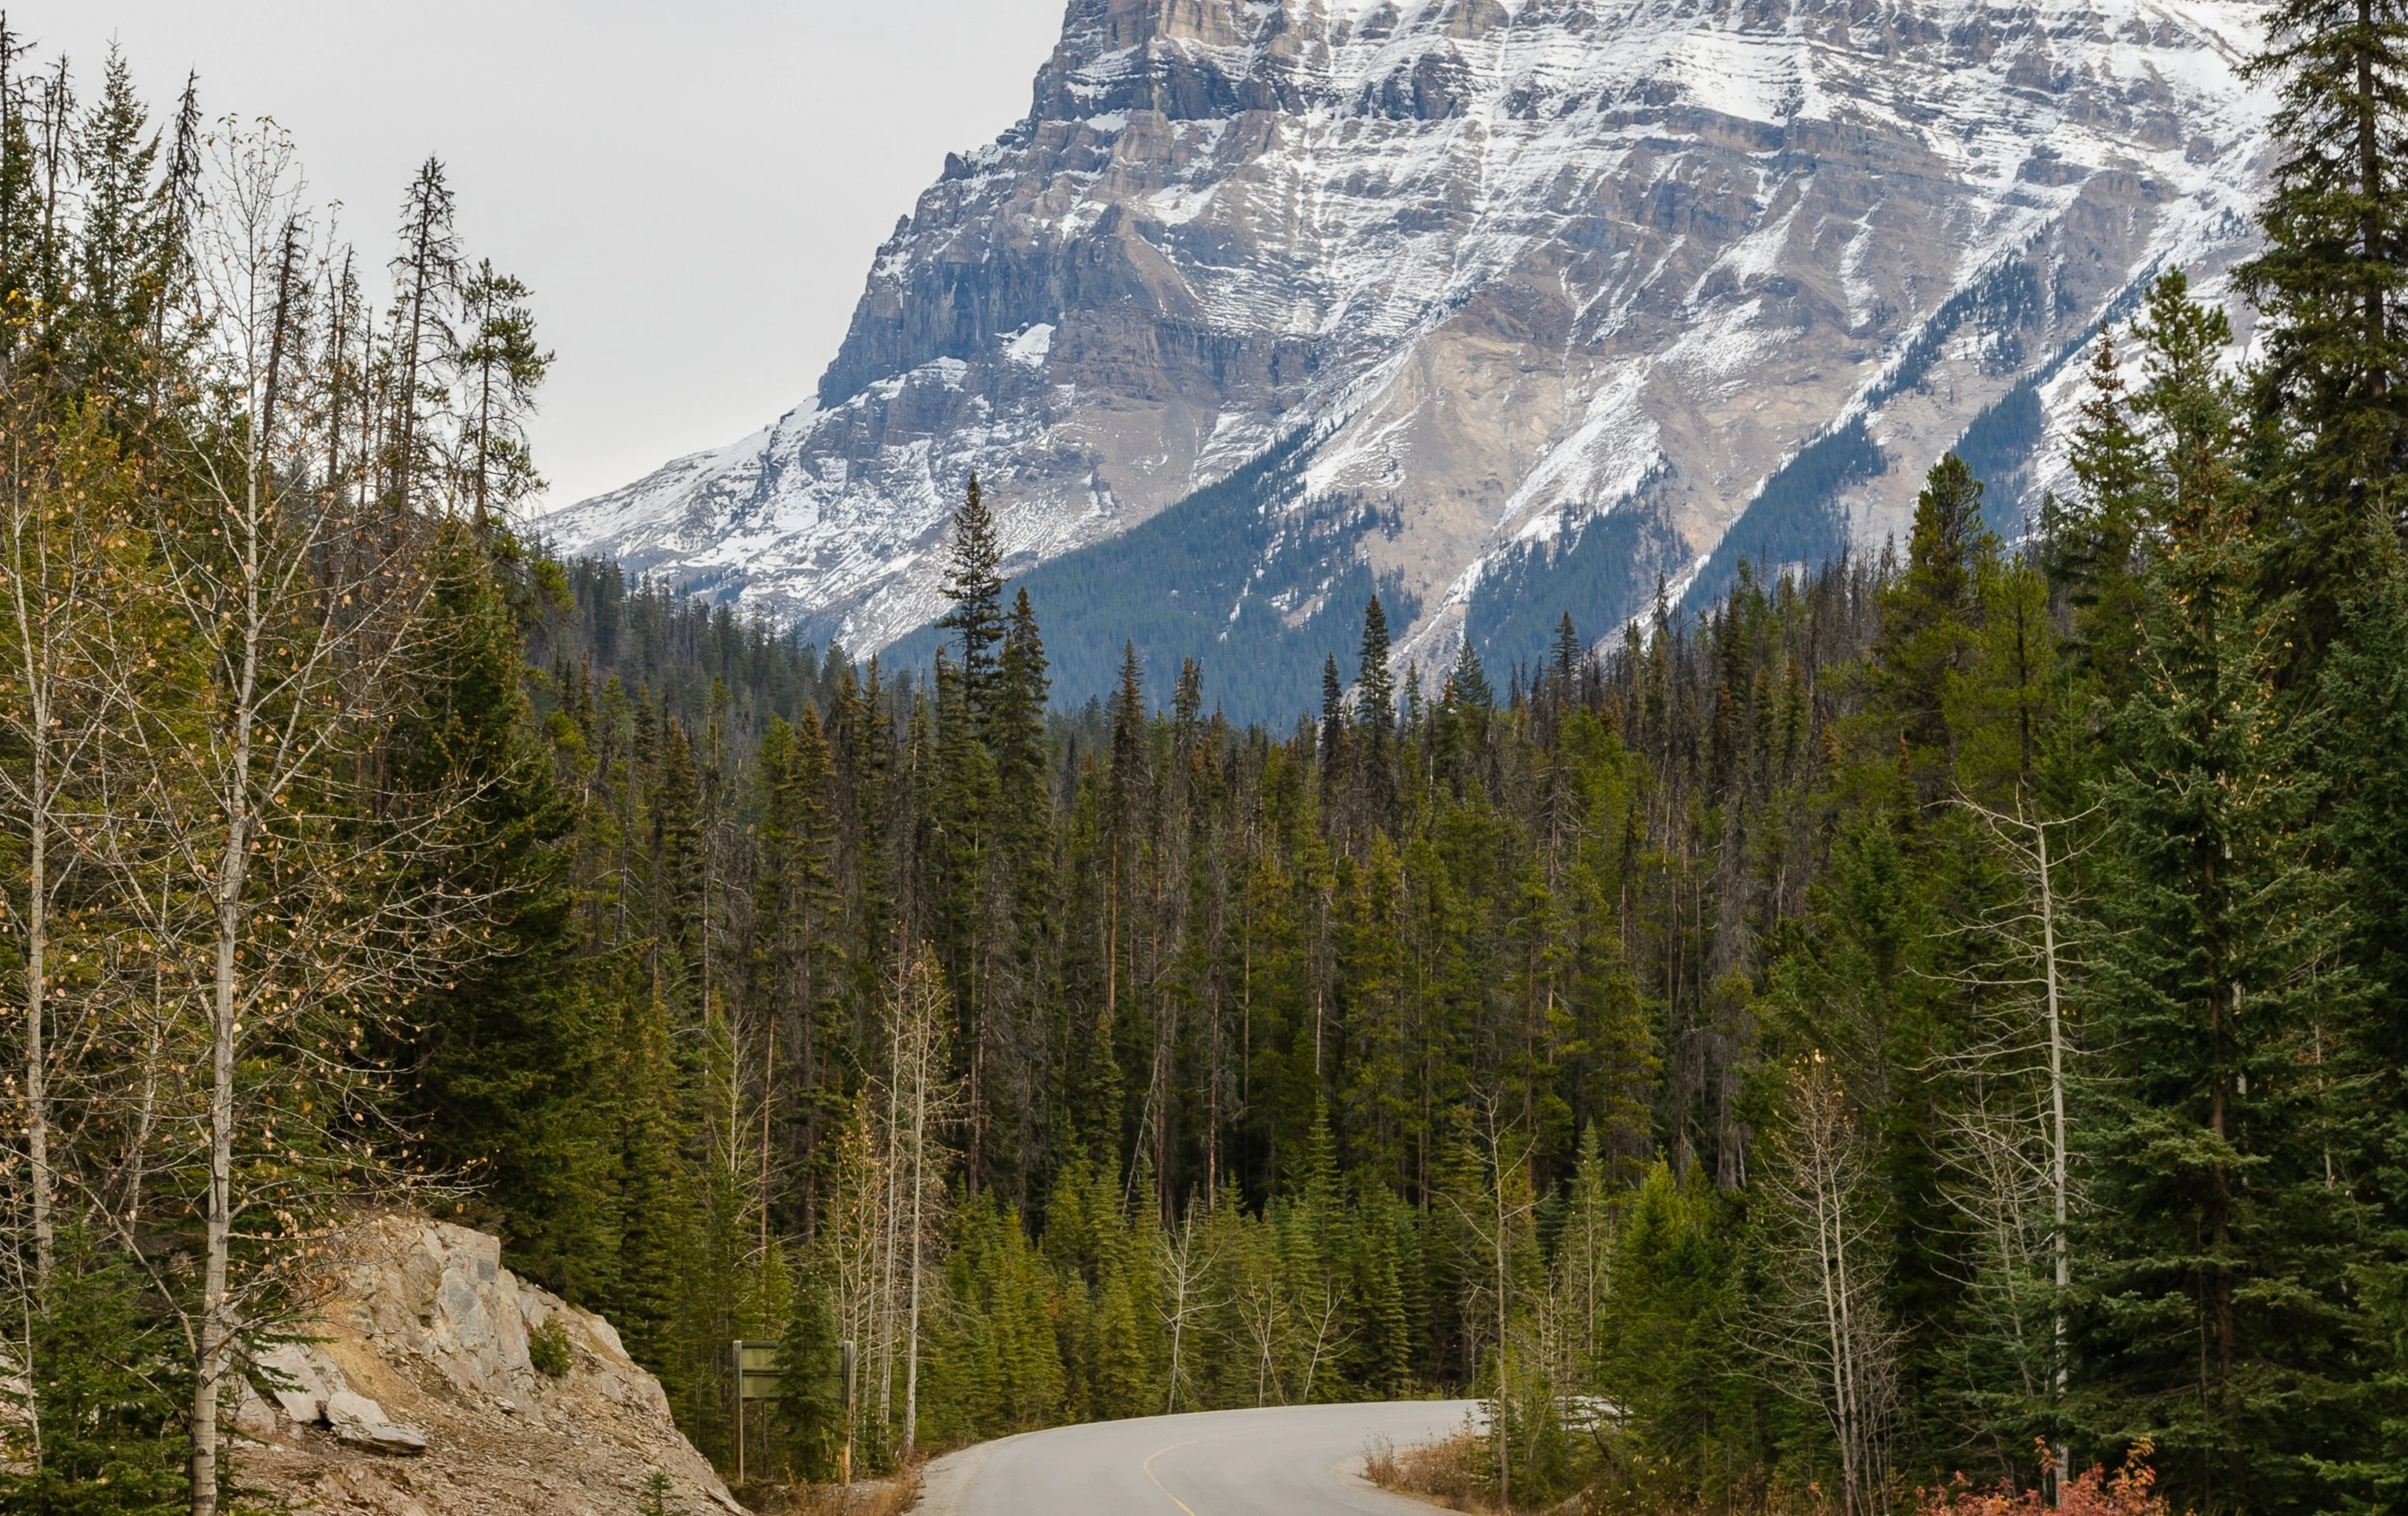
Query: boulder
point(300, 1379)
point(390, 1437)
point(362, 1423)
point(254, 1416)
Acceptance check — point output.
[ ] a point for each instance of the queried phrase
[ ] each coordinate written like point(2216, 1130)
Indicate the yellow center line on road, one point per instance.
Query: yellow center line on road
point(1165, 1487)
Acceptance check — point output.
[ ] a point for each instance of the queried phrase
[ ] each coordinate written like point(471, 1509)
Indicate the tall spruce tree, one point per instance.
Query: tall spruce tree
point(426, 278)
point(1927, 619)
point(798, 957)
point(513, 1083)
point(115, 291)
point(2335, 336)
point(2091, 540)
point(2223, 1322)
point(1375, 684)
point(2330, 285)
point(500, 366)
point(1564, 662)
point(973, 583)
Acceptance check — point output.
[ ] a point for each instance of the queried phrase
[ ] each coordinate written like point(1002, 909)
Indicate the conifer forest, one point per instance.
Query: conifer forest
point(1940, 1011)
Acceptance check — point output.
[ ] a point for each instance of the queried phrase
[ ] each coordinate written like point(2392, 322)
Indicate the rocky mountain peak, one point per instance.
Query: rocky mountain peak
point(1509, 308)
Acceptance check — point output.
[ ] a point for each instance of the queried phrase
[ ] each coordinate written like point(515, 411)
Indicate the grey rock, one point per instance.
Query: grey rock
point(300, 1380)
point(16, 1392)
point(253, 1415)
point(362, 1423)
point(383, 1436)
point(344, 1408)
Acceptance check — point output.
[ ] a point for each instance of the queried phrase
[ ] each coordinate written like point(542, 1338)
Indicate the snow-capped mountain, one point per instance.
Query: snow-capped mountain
point(1509, 307)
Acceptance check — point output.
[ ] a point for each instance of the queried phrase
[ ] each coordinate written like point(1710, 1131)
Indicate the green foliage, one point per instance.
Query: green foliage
point(105, 1432)
point(1665, 1353)
point(2225, 1308)
point(2330, 281)
point(548, 1348)
point(656, 1495)
point(811, 1383)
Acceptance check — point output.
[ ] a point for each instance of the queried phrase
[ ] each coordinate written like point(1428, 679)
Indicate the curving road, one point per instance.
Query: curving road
point(1278, 1461)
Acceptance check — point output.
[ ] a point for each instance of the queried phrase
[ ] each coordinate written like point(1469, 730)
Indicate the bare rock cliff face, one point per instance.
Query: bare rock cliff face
point(1513, 306)
point(419, 1397)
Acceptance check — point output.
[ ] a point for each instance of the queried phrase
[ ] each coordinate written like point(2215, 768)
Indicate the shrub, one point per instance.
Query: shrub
point(2131, 1490)
point(548, 1348)
point(1444, 1473)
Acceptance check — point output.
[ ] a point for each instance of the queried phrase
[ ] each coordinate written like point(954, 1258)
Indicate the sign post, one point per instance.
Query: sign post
point(756, 1378)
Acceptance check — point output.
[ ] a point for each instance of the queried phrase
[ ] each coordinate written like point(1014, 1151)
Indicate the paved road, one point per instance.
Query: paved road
point(1280, 1461)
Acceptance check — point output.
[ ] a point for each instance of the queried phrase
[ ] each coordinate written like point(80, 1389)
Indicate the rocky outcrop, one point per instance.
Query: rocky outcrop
point(1560, 296)
point(412, 1392)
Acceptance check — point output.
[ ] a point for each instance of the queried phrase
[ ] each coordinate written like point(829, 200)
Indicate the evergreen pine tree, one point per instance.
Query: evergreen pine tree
point(116, 254)
point(1467, 682)
point(1928, 618)
point(24, 279)
point(500, 366)
point(1333, 713)
point(2329, 282)
point(426, 278)
point(1564, 663)
point(1374, 1082)
point(99, 1428)
point(810, 1384)
point(2363, 758)
point(647, 1298)
point(2223, 1322)
point(514, 1084)
point(1375, 686)
point(974, 583)
point(798, 945)
point(2091, 542)
point(1017, 732)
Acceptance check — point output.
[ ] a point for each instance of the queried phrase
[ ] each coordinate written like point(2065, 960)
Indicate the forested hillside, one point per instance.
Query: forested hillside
point(1940, 1013)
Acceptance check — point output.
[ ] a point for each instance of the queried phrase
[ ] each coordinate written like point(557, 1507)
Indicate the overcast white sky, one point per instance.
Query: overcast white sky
point(694, 189)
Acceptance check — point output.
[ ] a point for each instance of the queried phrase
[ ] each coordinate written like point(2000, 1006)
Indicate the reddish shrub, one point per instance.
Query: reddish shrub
point(2131, 1490)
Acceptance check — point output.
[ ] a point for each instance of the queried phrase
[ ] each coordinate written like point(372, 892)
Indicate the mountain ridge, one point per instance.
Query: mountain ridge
point(1556, 295)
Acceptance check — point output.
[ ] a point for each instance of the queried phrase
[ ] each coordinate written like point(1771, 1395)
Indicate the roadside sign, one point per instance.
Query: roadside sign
point(756, 1370)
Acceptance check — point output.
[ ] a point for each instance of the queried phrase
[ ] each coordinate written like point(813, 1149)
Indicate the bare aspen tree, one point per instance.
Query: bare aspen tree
point(63, 543)
point(1822, 1327)
point(299, 619)
point(924, 1098)
point(2011, 1141)
point(1494, 1208)
point(2036, 941)
point(852, 1235)
point(1184, 1260)
point(891, 1168)
point(1261, 1304)
point(1322, 1331)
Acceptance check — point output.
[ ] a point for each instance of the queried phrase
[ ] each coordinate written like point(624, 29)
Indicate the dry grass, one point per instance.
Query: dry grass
point(1438, 1472)
point(867, 1497)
